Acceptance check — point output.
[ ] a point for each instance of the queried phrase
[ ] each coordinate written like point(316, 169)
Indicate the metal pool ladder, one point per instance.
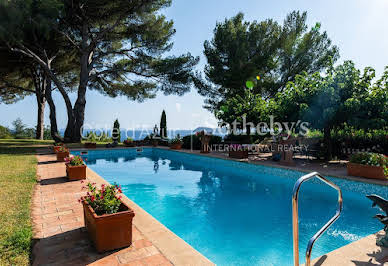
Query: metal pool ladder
point(295, 218)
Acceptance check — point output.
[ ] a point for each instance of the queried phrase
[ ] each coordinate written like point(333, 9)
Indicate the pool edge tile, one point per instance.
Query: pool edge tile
point(174, 248)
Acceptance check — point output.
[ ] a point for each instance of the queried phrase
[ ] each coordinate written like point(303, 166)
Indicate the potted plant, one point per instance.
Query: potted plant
point(176, 143)
point(90, 145)
point(62, 153)
point(75, 168)
point(57, 146)
point(238, 151)
point(205, 140)
point(369, 165)
point(108, 220)
point(129, 142)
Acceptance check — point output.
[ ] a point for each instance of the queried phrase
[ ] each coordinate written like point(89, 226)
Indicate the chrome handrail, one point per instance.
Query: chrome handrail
point(295, 217)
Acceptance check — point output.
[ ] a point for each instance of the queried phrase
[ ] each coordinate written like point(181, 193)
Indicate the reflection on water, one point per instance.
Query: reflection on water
point(233, 213)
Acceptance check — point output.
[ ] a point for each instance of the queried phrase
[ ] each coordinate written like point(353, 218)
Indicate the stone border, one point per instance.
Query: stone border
point(170, 245)
point(214, 155)
point(180, 253)
point(361, 252)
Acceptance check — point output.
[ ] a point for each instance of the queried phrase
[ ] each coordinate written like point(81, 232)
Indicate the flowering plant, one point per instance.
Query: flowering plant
point(176, 140)
point(59, 144)
point(370, 158)
point(74, 161)
point(63, 149)
point(104, 200)
point(203, 136)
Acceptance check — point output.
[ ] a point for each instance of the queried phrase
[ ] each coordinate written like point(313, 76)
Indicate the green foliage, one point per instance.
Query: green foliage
point(93, 137)
point(17, 178)
point(240, 51)
point(5, 133)
point(19, 129)
point(163, 125)
point(370, 158)
point(359, 139)
point(104, 200)
point(47, 133)
point(176, 140)
point(116, 131)
point(132, 37)
point(344, 96)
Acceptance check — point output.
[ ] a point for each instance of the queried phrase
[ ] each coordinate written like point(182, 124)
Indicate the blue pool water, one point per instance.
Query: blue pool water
point(236, 213)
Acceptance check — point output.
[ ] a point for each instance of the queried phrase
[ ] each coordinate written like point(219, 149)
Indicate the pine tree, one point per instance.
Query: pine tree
point(116, 131)
point(163, 125)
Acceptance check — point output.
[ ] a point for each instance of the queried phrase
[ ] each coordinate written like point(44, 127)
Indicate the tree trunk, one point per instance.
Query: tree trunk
point(79, 106)
point(53, 116)
point(327, 142)
point(40, 122)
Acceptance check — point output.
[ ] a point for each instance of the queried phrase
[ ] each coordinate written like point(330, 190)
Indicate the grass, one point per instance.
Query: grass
point(17, 179)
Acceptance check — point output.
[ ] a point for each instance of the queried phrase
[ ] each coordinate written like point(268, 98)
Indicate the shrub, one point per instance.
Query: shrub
point(349, 139)
point(176, 140)
point(197, 143)
point(5, 133)
point(93, 137)
point(370, 158)
point(104, 200)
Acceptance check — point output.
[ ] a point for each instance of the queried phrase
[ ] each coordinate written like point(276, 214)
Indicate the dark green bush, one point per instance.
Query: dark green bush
point(346, 140)
point(5, 133)
point(197, 143)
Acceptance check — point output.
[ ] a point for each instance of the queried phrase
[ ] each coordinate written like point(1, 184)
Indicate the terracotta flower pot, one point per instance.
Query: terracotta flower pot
point(62, 155)
point(238, 154)
point(76, 172)
point(90, 145)
point(176, 146)
point(368, 171)
point(109, 231)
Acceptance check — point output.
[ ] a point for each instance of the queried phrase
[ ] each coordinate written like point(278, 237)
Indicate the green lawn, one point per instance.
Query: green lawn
point(17, 179)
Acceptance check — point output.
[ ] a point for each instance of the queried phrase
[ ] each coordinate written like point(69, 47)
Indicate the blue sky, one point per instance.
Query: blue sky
point(357, 27)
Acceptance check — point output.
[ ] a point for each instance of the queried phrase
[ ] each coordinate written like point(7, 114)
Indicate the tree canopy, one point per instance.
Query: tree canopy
point(120, 48)
point(342, 97)
point(266, 54)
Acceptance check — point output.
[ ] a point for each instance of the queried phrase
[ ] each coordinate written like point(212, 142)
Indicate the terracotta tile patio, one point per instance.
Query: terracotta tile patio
point(59, 233)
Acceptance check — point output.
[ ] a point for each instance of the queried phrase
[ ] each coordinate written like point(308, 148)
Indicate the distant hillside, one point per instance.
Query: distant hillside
point(207, 129)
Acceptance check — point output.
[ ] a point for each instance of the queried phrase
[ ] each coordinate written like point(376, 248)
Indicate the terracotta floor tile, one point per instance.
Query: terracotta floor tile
point(58, 225)
point(155, 260)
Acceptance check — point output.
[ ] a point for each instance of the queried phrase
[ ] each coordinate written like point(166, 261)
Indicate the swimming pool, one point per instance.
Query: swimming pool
point(236, 213)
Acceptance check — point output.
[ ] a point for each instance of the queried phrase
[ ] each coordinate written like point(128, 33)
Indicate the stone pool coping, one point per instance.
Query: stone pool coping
point(294, 168)
point(361, 252)
point(224, 156)
point(174, 248)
